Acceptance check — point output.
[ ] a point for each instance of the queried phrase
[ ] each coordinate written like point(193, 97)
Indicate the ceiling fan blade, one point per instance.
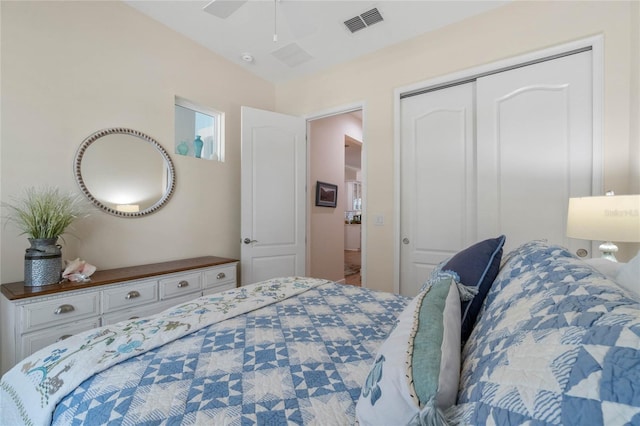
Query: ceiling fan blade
point(223, 8)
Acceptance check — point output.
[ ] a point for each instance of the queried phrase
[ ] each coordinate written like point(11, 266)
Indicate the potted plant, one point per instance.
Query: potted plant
point(44, 214)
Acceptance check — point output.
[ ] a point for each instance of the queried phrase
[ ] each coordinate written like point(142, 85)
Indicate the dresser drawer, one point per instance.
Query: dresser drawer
point(218, 288)
point(130, 314)
point(217, 277)
point(37, 340)
point(180, 285)
point(128, 296)
point(59, 311)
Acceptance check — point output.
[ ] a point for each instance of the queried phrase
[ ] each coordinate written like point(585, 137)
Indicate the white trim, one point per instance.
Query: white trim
point(184, 102)
point(597, 47)
point(396, 189)
point(597, 93)
point(345, 109)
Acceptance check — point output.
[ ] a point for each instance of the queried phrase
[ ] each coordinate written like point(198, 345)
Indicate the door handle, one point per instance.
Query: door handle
point(405, 240)
point(248, 241)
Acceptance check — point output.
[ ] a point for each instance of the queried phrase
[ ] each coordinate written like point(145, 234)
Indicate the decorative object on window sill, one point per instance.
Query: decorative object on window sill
point(197, 146)
point(607, 218)
point(78, 270)
point(183, 148)
point(44, 215)
point(326, 194)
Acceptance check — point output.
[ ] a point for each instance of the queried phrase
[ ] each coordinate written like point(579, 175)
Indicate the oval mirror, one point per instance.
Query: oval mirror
point(124, 172)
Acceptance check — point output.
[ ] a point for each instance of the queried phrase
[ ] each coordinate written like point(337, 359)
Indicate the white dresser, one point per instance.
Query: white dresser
point(34, 317)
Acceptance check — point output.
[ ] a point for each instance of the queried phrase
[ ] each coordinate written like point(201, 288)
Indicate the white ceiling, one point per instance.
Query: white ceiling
point(316, 28)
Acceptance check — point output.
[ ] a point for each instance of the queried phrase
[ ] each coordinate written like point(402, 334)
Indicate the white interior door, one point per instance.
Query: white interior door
point(535, 149)
point(273, 181)
point(437, 181)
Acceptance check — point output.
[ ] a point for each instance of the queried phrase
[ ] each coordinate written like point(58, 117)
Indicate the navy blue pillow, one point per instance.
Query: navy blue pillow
point(477, 266)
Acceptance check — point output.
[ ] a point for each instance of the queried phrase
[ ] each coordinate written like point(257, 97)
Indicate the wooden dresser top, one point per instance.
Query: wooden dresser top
point(17, 290)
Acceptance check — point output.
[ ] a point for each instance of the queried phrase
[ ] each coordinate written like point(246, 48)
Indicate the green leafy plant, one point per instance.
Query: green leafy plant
point(44, 212)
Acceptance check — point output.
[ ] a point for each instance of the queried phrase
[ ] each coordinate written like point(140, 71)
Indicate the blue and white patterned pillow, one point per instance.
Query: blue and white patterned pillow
point(556, 342)
point(416, 370)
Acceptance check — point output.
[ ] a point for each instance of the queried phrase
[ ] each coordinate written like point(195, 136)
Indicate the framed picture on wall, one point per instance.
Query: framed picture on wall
point(326, 194)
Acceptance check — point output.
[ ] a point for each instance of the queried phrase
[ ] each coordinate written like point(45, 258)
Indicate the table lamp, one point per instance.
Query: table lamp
point(605, 218)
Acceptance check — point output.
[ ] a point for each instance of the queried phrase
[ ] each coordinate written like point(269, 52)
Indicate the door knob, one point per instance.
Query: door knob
point(405, 240)
point(248, 241)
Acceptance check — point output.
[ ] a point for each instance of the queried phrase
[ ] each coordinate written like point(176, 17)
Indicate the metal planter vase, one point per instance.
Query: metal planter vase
point(42, 262)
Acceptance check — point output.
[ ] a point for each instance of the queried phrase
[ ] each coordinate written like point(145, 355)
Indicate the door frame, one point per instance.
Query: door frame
point(596, 43)
point(343, 109)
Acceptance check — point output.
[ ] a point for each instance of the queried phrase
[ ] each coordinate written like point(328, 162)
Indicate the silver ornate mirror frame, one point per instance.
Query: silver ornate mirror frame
point(170, 171)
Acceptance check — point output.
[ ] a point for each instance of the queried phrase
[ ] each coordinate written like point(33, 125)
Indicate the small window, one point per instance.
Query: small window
point(199, 131)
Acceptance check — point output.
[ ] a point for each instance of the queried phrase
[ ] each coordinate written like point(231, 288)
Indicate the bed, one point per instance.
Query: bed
point(546, 339)
point(289, 350)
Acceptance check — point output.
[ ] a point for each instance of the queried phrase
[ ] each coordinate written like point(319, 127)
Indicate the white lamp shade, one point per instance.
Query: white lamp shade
point(607, 218)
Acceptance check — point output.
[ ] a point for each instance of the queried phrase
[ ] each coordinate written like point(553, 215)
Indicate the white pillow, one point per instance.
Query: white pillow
point(416, 370)
point(629, 275)
point(604, 266)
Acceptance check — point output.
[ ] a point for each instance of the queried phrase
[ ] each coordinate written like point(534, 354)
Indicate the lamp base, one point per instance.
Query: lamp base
point(608, 250)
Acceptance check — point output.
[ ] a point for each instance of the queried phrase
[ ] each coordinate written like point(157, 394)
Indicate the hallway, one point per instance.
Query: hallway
point(352, 264)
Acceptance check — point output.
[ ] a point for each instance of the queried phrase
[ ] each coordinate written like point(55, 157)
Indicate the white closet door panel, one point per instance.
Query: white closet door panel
point(437, 200)
point(534, 145)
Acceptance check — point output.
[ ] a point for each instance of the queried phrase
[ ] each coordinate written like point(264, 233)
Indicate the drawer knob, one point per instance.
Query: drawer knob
point(64, 309)
point(61, 338)
point(132, 295)
point(183, 283)
point(221, 275)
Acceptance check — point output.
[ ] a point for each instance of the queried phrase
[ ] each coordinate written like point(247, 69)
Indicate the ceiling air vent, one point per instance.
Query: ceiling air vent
point(292, 54)
point(371, 17)
point(363, 20)
point(223, 8)
point(355, 24)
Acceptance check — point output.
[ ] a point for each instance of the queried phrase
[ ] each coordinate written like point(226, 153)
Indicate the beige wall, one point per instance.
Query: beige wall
point(326, 228)
point(509, 31)
point(71, 68)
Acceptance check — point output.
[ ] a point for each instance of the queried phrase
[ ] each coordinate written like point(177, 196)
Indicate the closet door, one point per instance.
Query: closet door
point(534, 144)
point(437, 181)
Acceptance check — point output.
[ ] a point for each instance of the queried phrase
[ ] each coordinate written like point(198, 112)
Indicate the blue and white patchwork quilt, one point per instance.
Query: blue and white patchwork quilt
point(556, 343)
point(291, 350)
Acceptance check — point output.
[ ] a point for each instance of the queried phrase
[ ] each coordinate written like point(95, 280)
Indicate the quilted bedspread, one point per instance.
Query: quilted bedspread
point(299, 354)
point(556, 343)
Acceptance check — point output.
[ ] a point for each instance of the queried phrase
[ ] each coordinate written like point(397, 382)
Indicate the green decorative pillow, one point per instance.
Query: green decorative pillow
point(415, 373)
